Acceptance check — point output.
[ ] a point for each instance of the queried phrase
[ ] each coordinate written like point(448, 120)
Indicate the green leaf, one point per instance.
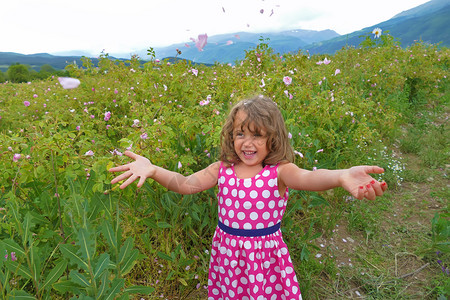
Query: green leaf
point(26, 225)
point(305, 253)
point(164, 256)
point(125, 250)
point(117, 284)
point(54, 274)
point(87, 245)
point(139, 289)
point(103, 286)
point(66, 286)
point(20, 269)
point(79, 279)
point(108, 233)
point(101, 265)
point(70, 252)
point(164, 225)
point(129, 262)
point(21, 295)
point(12, 246)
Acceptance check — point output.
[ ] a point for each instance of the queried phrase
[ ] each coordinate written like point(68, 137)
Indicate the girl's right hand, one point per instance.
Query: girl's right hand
point(140, 168)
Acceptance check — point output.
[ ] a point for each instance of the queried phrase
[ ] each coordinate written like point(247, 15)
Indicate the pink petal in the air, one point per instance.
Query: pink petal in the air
point(187, 45)
point(201, 42)
point(68, 83)
point(229, 43)
point(237, 36)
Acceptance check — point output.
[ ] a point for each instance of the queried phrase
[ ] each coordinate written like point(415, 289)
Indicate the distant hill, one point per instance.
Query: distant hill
point(429, 22)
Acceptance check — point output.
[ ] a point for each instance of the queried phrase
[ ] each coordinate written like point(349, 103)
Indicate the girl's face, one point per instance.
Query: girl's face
point(251, 147)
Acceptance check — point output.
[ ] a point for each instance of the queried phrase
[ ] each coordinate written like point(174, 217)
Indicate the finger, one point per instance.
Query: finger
point(377, 188)
point(119, 168)
point(374, 169)
point(384, 186)
point(128, 181)
point(131, 154)
point(121, 177)
point(141, 182)
point(370, 192)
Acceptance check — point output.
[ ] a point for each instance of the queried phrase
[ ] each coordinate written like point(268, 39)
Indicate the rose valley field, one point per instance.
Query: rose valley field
point(66, 232)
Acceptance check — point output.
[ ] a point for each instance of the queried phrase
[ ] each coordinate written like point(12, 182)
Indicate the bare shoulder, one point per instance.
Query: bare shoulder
point(286, 167)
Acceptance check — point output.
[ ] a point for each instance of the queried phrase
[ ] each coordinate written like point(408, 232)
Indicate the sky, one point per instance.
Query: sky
point(93, 26)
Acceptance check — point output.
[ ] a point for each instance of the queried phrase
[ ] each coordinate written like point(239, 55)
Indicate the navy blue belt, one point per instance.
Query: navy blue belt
point(250, 232)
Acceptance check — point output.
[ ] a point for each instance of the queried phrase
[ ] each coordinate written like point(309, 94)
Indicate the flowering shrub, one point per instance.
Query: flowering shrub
point(72, 232)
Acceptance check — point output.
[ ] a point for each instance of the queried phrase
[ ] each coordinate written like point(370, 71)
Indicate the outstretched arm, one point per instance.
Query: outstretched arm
point(355, 180)
point(142, 168)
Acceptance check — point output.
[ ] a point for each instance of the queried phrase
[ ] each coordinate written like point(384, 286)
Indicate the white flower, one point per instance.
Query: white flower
point(377, 32)
point(89, 153)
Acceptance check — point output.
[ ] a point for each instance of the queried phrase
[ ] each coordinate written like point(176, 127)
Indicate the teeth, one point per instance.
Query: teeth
point(249, 153)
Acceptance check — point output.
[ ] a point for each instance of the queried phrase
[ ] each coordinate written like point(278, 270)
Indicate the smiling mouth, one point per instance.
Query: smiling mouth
point(248, 153)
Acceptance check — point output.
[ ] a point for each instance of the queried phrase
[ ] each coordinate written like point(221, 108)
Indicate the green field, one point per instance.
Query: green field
point(75, 235)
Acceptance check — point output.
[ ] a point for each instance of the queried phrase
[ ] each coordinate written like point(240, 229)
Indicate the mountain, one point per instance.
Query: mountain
point(228, 48)
point(428, 22)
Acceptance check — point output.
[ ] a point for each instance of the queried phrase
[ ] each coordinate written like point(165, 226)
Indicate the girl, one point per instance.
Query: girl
point(249, 259)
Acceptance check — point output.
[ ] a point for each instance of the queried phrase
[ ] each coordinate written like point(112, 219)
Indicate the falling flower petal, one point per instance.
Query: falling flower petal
point(337, 72)
point(298, 153)
point(237, 36)
point(229, 43)
point(201, 42)
point(68, 82)
point(187, 45)
point(89, 153)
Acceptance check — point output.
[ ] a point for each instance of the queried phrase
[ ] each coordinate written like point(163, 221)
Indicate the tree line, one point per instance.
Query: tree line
point(18, 73)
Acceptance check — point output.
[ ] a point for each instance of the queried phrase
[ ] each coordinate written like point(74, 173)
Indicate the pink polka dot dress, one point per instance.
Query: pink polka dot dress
point(249, 259)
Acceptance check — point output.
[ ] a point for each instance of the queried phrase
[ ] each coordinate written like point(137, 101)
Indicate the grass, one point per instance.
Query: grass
point(381, 250)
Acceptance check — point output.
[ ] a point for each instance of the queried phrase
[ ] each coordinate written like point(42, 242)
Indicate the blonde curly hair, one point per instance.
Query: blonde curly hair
point(264, 115)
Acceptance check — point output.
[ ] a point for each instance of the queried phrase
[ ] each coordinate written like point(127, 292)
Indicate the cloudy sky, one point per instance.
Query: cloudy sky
point(33, 26)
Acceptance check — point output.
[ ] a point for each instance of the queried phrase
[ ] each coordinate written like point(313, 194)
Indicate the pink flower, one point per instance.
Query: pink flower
point(35, 96)
point(320, 150)
point(287, 80)
point(16, 157)
point(89, 153)
point(179, 165)
point(13, 256)
point(262, 83)
point(116, 152)
point(289, 135)
point(78, 128)
point(298, 153)
point(144, 136)
point(337, 72)
point(68, 83)
point(326, 61)
point(205, 102)
point(201, 42)
point(195, 72)
point(107, 116)
point(26, 103)
point(135, 123)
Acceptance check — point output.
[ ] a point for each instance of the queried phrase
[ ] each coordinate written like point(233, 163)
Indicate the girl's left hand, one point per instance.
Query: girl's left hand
point(360, 184)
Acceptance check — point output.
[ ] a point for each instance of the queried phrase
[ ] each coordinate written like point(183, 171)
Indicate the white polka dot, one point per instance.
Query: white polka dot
point(222, 179)
point(259, 226)
point(266, 215)
point(247, 245)
point(241, 194)
point(289, 270)
point(288, 282)
point(266, 194)
point(225, 190)
point(255, 289)
point(251, 256)
point(231, 293)
point(273, 278)
point(235, 225)
point(236, 204)
point(275, 214)
point(251, 278)
point(224, 211)
point(229, 171)
point(274, 297)
point(266, 264)
point(247, 205)
point(244, 280)
point(237, 271)
point(271, 182)
point(233, 242)
point(253, 194)
point(272, 204)
point(268, 290)
point(260, 277)
point(284, 250)
point(240, 290)
point(221, 200)
point(248, 226)
point(234, 193)
point(224, 289)
point(231, 213)
point(232, 181)
point(281, 203)
point(241, 215)
point(234, 283)
point(215, 292)
point(228, 202)
point(278, 287)
point(276, 193)
point(253, 216)
point(260, 205)
point(266, 173)
point(294, 289)
point(248, 182)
